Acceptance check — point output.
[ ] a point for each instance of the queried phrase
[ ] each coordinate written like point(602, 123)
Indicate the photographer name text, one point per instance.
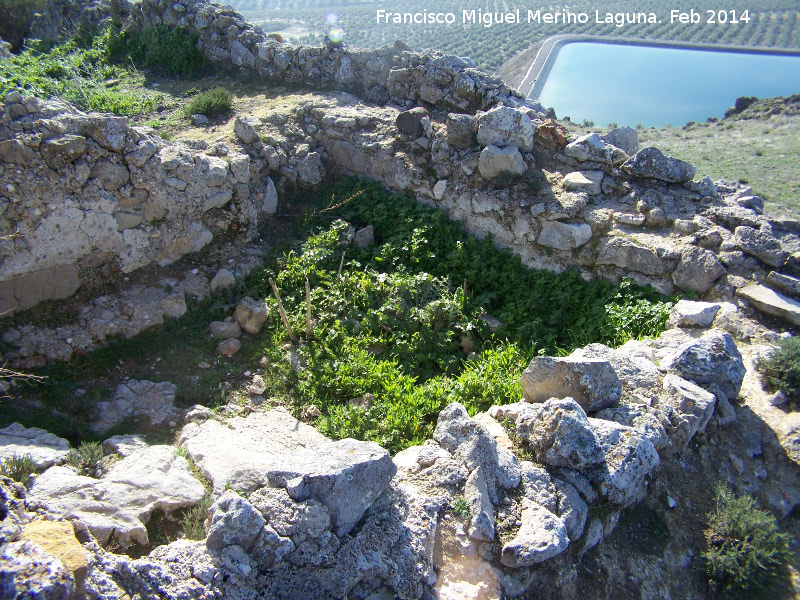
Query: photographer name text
point(477, 16)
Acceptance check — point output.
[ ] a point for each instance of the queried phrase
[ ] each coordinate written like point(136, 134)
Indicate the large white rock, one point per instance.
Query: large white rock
point(134, 399)
point(542, 535)
point(45, 448)
point(121, 503)
point(688, 313)
point(504, 126)
point(584, 181)
point(559, 434)
point(474, 445)
point(591, 382)
point(494, 160)
point(771, 302)
point(589, 148)
point(629, 459)
point(275, 449)
point(564, 236)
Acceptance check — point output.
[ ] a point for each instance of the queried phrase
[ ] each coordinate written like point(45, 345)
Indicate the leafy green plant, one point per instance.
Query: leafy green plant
point(781, 369)
point(216, 101)
point(169, 50)
point(86, 458)
point(745, 548)
point(18, 467)
point(460, 507)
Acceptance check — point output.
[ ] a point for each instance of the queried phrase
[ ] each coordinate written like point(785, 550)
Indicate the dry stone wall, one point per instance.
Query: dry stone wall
point(81, 190)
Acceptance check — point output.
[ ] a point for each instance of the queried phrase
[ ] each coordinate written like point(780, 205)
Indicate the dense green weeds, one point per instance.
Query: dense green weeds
point(395, 336)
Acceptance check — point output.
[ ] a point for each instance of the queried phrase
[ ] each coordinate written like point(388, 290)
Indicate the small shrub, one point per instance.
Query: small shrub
point(18, 467)
point(781, 370)
point(86, 458)
point(216, 101)
point(194, 520)
point(745, 548)
point(169, 50)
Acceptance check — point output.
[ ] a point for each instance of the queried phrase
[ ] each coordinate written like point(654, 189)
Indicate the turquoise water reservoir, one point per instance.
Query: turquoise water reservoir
point(653, 86)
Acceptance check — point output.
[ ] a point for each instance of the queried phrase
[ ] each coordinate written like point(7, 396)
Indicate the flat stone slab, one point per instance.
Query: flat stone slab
point(138, 399)
point(121, 503)
point(273, 449)
point(45, 448)
point(771, 302)
point(688, 313)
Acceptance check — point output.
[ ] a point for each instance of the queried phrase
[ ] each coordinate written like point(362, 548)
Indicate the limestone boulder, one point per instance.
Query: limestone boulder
point(629, 459)
point(625, 138)
point(688, 313)
point(592, 383)
point(111, 176)
point(714, 358)
point(589, 182)
point(652, 423)
point(493, 161)
point(589, 148)
point(627, 254)
point(542, 535)
point(58, 539)
point(538, 486)
point(559, 434)
point(694, 405)
point(564, 236)
point(274, 449)
point(650, 163)
point(461, 130)
point(222, 279)
point(224, 331)
point(697, 270)
point(506, 126)
point(120, 503)
point(634, 371)
point(771, 302)
point(62, 150)
point(475, 446)
point(476, 494)
point(233, 521)
point(138, 399)
point(46, 449)
point(251, 314)
point(760, 244)
point(245, 131)
point(29, 571)
point(571, 509)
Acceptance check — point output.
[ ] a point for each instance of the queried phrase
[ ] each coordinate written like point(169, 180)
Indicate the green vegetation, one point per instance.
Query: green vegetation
point(171, 51)
point(18, 467)
point(80, 72)
point(745, 549)
point(86, 458)
point(781, 369)
point(394, 329)
point(194, 518)
point(460, 507)
point(216, 101)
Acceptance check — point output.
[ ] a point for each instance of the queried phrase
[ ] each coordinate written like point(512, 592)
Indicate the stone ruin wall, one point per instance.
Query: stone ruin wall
point(460, 139)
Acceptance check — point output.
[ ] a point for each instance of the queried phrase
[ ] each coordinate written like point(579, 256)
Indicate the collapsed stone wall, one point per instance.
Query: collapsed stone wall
point(81, 190)
point(609, 210)
point(392, 73)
